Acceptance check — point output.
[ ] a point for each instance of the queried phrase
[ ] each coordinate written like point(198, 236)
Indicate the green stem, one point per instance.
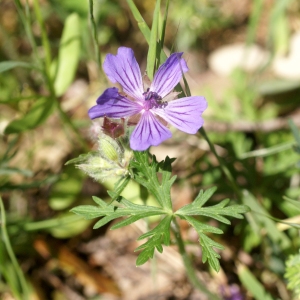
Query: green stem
point(52, 223)
point(11, 254)
point(223, 167)
point(45, 41)
point(26, 20)
point(95, 35)
point(66, 119)
point(188, 265)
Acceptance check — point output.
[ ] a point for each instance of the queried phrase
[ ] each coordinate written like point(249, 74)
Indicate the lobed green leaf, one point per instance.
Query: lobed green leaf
point(158, 236)
point(99, 201)
point(203, 197)
point(137, 217)
point(202, 227)
point(109, 212)
point(146, 175)
point(163, 228)
point(144, 256)
point(208, 253)
point(217, 211)
point(110, 217)
point(88, 211)
point(292, 273)
point(151, 243)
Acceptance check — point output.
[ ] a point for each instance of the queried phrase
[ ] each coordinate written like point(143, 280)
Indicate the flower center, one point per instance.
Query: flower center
point(153, 100)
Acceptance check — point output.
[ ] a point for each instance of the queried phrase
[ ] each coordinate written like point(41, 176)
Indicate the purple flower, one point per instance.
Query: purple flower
point(150, 105)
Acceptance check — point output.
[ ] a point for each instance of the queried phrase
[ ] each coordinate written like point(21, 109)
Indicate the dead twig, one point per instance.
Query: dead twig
point(248, 126)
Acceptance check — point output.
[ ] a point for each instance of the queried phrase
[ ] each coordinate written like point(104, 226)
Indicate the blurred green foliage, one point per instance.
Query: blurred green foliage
point(38, 193)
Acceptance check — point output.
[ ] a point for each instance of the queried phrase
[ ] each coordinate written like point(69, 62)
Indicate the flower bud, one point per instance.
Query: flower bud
point(109, 161)
point(109, 149)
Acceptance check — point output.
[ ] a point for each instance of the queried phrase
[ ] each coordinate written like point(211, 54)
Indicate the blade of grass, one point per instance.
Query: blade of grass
point(257, 8)
point(251, 283)
point(95, 35)
point(147, 34)
point(45, 41)
point(151, 58)
point(278, 27)
point(140, 20)
point(295, 131)
point(26, 20)
point(265, 222)
point(164, 25)
point(144, 27)
point(267, 151)
point(11, 254)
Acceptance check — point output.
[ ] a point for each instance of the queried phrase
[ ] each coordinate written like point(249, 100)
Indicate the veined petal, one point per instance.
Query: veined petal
point(111, 104)
point(169, 74)
point(124, 69)
point(184, 113)
point(148, 132)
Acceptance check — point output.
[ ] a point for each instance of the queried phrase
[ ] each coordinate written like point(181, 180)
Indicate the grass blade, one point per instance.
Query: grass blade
point(140, 20)
point(151, 58)
point(164, 25)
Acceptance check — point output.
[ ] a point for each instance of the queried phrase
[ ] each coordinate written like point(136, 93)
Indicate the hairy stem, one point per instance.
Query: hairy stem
point(188, 264)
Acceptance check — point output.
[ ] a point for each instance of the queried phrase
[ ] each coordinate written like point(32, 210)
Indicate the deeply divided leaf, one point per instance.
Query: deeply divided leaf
point(87, 211)
point(217, 212)
point(208, 252)
point(155, 177)
point(202, 197)
point(110, 212)
point(159, 236)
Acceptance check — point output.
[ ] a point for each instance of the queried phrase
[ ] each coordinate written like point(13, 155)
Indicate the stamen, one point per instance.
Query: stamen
point(153, 100)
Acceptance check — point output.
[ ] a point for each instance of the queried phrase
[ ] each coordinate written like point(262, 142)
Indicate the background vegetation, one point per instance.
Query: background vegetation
point(50, 75)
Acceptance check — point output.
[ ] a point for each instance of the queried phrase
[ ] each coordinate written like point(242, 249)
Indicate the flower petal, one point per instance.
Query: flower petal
point(148, 132)
point(111, 104)
point(169, 74)
point(184, 113)
point(124, 69)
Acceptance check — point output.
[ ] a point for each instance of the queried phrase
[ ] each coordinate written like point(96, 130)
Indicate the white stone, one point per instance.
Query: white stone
point(225, 59)
point(288, 67)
